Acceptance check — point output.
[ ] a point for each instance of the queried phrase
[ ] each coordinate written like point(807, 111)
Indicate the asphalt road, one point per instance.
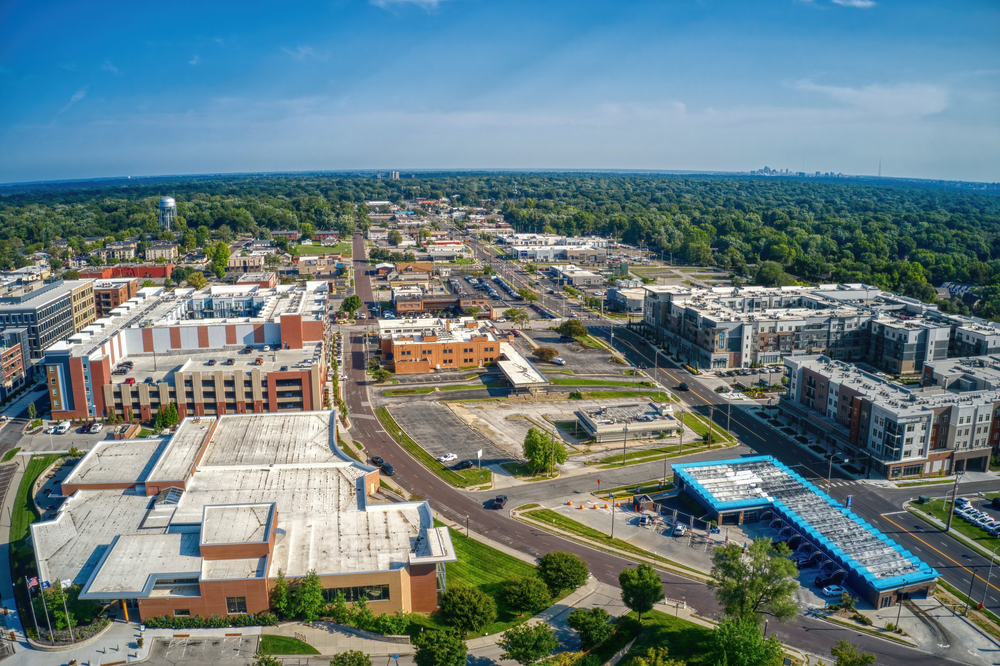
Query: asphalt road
point(882, 507)
point(804, 632)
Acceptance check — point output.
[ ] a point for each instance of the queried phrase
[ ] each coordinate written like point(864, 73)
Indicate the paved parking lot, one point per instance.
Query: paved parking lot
point(438, 431)
point(44, 442)
point(236, 650)
point(578, 359)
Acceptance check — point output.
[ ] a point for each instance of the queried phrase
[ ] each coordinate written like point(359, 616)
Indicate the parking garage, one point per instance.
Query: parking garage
point(825, 534)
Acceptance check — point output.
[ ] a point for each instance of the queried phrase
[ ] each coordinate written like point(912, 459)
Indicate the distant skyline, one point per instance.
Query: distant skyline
point(112, 89)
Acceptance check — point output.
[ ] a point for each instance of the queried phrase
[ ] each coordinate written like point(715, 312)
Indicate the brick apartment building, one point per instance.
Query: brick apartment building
point(109, 294)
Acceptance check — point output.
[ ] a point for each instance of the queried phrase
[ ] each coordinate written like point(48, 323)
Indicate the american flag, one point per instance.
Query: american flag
point(33, 582)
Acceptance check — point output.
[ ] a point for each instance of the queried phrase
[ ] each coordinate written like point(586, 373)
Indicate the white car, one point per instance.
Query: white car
point(833, 590)
point(96, 428)
point(680, 530)
point(501, 320)
point(559, 360)
point(448, 457)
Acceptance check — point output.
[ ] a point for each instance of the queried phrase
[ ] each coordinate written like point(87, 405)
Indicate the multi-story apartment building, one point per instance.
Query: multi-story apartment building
point(49, 311)
point(247, 262)
point(161, 250)
point(883, 427)
point(13, 362)
point(119, 250)
point(109, 294)
point(184, 347)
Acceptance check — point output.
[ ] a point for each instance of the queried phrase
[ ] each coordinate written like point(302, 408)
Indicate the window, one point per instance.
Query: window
point(182, 612)
point(236, 605)
point(367, 592)
point(912, 470)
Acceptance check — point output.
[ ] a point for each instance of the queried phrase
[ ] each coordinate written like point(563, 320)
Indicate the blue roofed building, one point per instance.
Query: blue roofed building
point(762, 490)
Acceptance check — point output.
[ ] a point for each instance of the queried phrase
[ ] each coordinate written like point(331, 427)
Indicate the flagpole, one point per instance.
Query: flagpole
point(45, 606)
point(66, 609)
point(35, 617)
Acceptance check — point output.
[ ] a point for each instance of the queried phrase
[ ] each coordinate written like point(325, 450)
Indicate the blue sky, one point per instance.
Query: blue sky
point(93, 89)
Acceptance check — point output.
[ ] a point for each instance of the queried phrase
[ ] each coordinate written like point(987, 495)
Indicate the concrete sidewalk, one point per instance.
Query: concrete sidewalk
point(330, 638)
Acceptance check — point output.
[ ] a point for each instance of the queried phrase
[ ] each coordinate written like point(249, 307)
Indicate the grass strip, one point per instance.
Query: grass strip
point(987, 616)
point(574, 381)
point(857, 627)
point(274, 644)
point(525, 471)
point(409, 391)
point(688, 450)
point(700, 425)
point(339, 248)
point(461, 479)
point(924, 483)
point(550, 518)
point(937, 509)
point(628, 491)
point(24, 512)
point(10, 454)
point(656, 396)
point(689, 643)
point(485, 568)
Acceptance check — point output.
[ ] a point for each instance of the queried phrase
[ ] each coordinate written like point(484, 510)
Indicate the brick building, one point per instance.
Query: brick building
point(140, 271)
point(109, 294)
point(425, 345)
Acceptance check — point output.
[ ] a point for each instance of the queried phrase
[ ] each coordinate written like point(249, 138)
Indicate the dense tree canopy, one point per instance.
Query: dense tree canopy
point(899, 235)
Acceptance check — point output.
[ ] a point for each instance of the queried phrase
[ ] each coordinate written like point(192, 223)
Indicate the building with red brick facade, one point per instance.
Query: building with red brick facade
point(110, 293)
point(202, 524)
point(425, 345)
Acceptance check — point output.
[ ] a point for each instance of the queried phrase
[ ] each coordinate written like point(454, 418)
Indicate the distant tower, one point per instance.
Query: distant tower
point(167, 212)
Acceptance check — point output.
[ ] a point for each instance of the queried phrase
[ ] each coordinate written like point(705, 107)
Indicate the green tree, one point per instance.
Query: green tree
point(280, 602)
point(473, 311)
point(54, 598)
point(544, 353)
point(71, 275)
point(562, 571)
point(440, 648)
point(572, 328)
point(759, 582)
point(219, 254)
point(593, 625)
point(771, 274)
point(849, 654)
point(656, 657)
point(543, 450)
point(468, 608)
point(197, 280)
point(526, 294)
point(380, 374)
point(516, 315)
point(528, 643)
point(395, 238)
point(525, 594)
point(351, 304)
point(738, 642)
point(351, 658)
point(306, 231)
point(265, 660)
point(32, 411)
point(147, 283)
point(307, 597)
point(641, 588)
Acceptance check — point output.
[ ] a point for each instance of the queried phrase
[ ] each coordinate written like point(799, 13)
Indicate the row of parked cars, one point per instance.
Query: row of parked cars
point(981, 519)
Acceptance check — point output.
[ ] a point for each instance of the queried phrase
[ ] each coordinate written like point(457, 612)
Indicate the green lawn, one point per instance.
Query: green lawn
point(927, 482)
point(485, 568)
point(574, 381)
point(465, 387)
point(339, 248)
point(524, 470)
point(939, 510)
point(699, 424)
point(551, 518)
point(686, 642)
point(10, 454)
point(461, 479)
point(24, 507)
point(143, 433)
point(272, 644)
point(648, 487)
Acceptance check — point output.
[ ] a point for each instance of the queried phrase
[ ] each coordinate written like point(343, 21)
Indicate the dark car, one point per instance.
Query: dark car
point(465, 464)
point(284, 368)
point(387, 469)
point(230, 361)
point(377, 461)
point(499, 501)
point(682, 387)
point(211, 361)
point(836, 578)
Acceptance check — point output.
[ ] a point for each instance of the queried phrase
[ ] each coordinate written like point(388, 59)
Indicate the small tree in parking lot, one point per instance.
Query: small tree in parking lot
point(572, 328)
point(380, 374)
point(545, 353)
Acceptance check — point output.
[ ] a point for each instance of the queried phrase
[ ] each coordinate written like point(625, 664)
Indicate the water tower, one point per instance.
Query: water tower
point(167, 212)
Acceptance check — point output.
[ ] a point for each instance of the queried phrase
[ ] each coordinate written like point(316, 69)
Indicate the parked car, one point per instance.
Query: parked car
point(387, 469)
point(680, 530)
point(465, 464)
point(499, 501)
point(96, 428)
point(836, 578)
point(559, 360)
point(833, 590)
point(448, 457)
point(63, 427)
point(377, 461)
point(211, 361)
point(129, 380)
point(646, 521)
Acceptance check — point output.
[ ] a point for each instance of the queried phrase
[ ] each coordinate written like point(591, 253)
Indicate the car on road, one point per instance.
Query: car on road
point(387, 469)
point(465, 464)
point(96, 428)
point(499, 501)
point(833, 590)
point(559, 360)
point(448, 457)
point(377, 461)
point(682, 387)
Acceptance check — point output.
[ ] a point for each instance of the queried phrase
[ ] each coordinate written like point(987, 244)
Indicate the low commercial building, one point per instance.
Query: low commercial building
point(763, 491)
point(290, 235)
point(892, 430)
point(575, 276)
point(630, 422)
point(202, 524)
point(109, 294)
point(139, 271)
point(267, 280)
point(626, 300)
point(425, 345)
point(49, 311)
point(378, 233)
point(185, 349)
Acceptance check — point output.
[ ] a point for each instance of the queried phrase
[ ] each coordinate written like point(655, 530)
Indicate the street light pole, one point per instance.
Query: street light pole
point(624, 442)
point(829, 472)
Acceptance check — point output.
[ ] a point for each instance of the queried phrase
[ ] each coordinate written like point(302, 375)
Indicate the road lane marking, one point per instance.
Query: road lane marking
point(950, 559)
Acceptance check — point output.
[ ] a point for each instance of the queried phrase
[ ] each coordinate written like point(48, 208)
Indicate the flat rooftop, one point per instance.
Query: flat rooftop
point(237, 523)
point(761, 481)
point(118, 461)
point(518, 371)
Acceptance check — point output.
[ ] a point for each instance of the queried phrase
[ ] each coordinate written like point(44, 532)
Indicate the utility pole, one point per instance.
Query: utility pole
point(710, 410)
point(624, 442)
point(954, 496)
point(681, 449)
point(729, 406)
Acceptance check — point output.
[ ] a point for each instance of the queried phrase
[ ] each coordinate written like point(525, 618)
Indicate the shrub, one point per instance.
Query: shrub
point(263, 619)
point(575, 395)
point(863, 619)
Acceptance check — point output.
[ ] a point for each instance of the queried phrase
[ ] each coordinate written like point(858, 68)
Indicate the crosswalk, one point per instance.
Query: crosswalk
point(837, 484)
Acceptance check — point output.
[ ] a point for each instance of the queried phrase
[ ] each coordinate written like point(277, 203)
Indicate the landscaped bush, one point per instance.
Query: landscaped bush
point(263, 619)
point(863, 619)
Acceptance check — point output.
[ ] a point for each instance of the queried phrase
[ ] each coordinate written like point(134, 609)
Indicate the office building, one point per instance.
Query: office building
point(202, 524)
point(49, 311)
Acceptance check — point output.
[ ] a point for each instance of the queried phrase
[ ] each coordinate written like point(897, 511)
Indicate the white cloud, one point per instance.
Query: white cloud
point(77, 96)
point(427, 5)
point(905, 99)
point(860, 4)
point(108, 67)
point(303, 52)
point(195, 60)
